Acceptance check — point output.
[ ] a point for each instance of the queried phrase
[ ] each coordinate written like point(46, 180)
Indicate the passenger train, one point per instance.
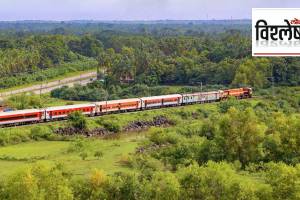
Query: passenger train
point(20, 117)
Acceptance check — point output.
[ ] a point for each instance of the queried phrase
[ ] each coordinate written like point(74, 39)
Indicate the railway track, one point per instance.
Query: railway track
point(111, 113)
point(81, 79)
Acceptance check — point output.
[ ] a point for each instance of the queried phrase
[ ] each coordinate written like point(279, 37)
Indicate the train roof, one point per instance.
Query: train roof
point(198, 93)
point(117, 101)
point(123, 100)
point(161, 97)
point(16, 112)
point(70, 106)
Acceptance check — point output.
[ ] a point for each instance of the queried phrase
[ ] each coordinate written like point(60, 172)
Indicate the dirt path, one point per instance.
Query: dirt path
point(46, 87)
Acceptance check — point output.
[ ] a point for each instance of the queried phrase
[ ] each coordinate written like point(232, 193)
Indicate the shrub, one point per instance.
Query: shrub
point(98, 154)
point(77, 120)
point(83, 155)
point(39, 132)
point(111, 126)
point(162, 137)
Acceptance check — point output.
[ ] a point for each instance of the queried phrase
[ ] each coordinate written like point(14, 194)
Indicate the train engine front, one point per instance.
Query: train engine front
point(239, 93)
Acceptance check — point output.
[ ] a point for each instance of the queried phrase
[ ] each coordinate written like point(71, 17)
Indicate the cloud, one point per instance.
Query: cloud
point(133, 9)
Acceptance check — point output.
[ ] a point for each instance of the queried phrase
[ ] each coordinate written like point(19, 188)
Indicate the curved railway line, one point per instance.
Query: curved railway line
point(32, 116)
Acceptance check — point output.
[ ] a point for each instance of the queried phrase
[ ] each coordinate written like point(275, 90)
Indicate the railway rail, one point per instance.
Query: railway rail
point(32, 116)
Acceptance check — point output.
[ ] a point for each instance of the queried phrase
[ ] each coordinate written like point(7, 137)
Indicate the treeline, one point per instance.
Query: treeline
point(210, 181)
point(28, 54)
point(221, 59)
point(46, 74)
point(157, 28)
point(40, 57)
point(146, 58)
point(97, 91)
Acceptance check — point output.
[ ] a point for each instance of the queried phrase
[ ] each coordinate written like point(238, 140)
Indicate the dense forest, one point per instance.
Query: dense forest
point(129, 53)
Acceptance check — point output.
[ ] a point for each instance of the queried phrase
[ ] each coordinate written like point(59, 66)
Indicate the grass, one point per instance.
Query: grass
point(48, 152)
point(68, 75)
point(25, 154)
point(49, 101)
point(174, 113)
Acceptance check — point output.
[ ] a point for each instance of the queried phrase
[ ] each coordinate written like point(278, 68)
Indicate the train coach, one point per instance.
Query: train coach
point(118, 105)
point(202, 97)
point(161, 101)
point(22, 116)
point(122, 105)
point(60, 112)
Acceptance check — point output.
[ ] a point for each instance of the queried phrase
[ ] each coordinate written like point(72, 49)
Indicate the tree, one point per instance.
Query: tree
point(253, 72)
point(77, 120)
point(39, 182)
point(238, 136)
point(218, 181)
point(283, 141)
point(164, 185)
point(284, 180)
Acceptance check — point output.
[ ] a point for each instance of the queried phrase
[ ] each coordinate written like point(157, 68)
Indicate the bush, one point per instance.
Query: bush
point(13, 136)
point(98, 154)
point(83, 155)
point(39, 132)
point(224, 106)
point(163, 137)
point(111, 126)
point(77, 120)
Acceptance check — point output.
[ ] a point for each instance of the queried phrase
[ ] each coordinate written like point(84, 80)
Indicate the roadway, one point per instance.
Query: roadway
point(46, 87)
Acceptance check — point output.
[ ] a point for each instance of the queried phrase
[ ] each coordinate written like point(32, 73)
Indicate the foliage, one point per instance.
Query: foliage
point(110, 125)
point(78, 145)
point(174, 162)
point(77, 120)
point(284, 180)
point(83, 155)
point(39, 75)
point(224, 106)
point(38, 182)
point(237, 136)
point(24, 101)
point(98, 154)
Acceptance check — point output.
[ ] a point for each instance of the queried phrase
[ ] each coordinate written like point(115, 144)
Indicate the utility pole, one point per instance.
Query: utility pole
point(201, 86)
point(41, 87)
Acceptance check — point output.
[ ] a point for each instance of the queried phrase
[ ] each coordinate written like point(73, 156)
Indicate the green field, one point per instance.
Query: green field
point(21, 153)
point(52, 152)
point(20, 150)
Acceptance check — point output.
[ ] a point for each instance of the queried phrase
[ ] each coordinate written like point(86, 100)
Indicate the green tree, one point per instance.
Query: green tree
point(253, 72)
point(284, 180)
point(164, 185)
point(218, 181)
point(39, 182)
point(239, 136)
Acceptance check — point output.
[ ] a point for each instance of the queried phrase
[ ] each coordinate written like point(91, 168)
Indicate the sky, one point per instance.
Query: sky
point(11, 10)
